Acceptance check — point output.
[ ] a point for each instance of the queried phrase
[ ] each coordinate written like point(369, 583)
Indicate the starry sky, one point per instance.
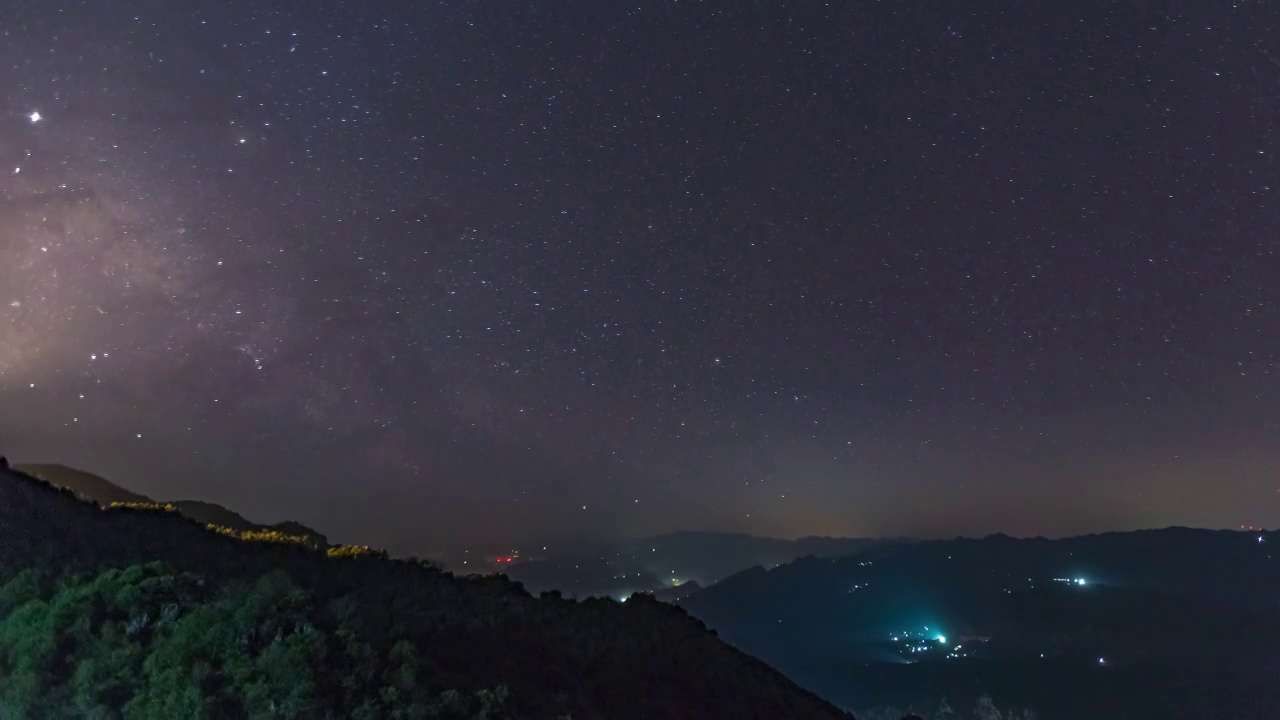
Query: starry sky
point(418, 273)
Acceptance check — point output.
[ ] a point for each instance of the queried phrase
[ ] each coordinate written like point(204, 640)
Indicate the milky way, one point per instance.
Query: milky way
point(480, 271)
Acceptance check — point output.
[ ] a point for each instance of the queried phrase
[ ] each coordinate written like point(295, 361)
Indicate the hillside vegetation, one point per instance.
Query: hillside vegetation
point(142, 613)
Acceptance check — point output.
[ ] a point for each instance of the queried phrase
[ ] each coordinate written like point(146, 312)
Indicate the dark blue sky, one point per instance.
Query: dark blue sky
point(418, 272)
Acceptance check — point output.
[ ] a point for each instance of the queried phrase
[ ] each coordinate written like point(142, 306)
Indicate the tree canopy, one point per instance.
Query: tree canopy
point(139, 612)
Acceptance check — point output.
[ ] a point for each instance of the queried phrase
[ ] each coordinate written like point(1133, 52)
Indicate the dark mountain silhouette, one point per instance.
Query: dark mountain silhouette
point(678, 592)
point(1161, 623)
point(144, 609)
point(581, 577)
point(709, 557)
point(88, 486)
point(659, 564)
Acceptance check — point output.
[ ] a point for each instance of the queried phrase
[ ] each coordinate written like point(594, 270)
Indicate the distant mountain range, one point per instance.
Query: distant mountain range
point(671, 566)
point(93, 488)
point(661, 564)
point(709, 557)
point(1160, 623)
point(136, 611)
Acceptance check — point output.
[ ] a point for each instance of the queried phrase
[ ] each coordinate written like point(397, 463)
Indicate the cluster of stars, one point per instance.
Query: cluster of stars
point(743, 268)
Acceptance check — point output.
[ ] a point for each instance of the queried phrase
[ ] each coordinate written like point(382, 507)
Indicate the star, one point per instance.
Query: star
point(437, 267)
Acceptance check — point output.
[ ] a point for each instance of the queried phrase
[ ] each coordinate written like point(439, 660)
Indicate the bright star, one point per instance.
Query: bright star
point(35, 117)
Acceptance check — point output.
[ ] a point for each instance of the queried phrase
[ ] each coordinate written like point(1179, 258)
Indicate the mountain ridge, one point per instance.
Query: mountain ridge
point(96, 488)
point(1088, 626)
point(478, 637)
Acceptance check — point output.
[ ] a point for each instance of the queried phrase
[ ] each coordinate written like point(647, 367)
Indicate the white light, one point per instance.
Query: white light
point(35, 117)
point(1102, 661)
point(1079, 581)
point(942, 638)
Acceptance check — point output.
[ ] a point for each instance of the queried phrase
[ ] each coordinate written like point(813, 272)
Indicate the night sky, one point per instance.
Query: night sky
point(432, 272)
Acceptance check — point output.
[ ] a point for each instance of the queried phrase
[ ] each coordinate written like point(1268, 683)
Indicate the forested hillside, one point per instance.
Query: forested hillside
point(142, 613)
